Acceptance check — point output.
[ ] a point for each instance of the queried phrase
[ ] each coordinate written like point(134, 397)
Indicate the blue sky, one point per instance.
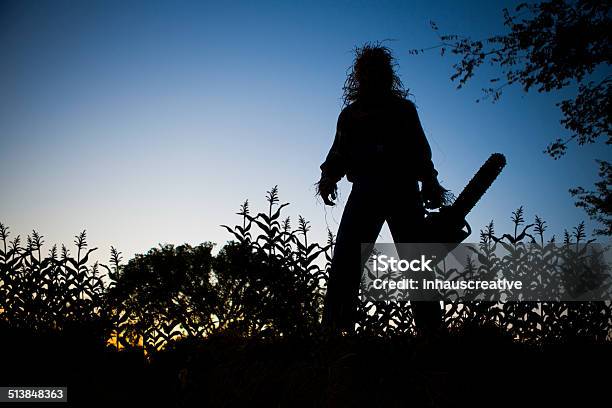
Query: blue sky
point(150, 122)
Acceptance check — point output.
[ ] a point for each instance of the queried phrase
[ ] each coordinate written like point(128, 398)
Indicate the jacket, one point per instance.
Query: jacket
point(380, 140)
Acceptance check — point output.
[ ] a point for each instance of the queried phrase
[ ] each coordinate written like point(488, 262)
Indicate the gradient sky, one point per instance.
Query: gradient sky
point(150, 122)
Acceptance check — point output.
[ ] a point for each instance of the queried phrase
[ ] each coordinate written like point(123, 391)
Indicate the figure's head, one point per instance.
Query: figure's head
point(372, 74)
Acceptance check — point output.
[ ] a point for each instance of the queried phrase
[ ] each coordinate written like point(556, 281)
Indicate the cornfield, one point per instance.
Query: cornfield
point(269, 282)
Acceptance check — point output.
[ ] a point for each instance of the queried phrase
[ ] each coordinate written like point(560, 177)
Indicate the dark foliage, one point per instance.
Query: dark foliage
point(181, 326)
point(598, 203)
point(548, 46)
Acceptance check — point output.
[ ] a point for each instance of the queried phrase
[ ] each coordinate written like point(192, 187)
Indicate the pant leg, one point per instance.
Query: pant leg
point(361, 222)
point(406, 223)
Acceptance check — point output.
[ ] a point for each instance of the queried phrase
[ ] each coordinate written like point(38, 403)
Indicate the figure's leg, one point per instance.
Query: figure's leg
point(406, 223)
point(361, 223)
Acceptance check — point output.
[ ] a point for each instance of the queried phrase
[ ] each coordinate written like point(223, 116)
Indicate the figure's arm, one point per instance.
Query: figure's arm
point(434, 194)
point(426, 171)
point(334, 166)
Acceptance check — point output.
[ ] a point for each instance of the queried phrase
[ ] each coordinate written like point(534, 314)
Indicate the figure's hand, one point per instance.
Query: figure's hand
point(327, 188)
point(433, 194)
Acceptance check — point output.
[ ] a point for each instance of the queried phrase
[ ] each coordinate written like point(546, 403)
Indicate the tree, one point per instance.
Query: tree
point(598, 204)
point(163, 294)
point(549, 46)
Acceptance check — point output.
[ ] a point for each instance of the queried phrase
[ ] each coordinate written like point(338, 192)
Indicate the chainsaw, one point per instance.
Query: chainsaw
point(448, 225)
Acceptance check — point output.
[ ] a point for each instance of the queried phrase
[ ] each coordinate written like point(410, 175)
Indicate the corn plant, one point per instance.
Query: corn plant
point(54, 292)
point(280, 278)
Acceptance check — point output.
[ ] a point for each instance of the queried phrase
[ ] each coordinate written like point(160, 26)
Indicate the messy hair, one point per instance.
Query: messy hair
point(372, 57)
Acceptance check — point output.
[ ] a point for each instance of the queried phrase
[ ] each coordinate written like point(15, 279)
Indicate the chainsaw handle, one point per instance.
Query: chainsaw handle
point(469, 229)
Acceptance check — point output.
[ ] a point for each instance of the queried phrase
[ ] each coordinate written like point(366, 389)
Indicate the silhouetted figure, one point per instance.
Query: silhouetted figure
point(381, 148)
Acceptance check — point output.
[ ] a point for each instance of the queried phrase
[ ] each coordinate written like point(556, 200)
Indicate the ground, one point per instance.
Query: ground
point(475, 367)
